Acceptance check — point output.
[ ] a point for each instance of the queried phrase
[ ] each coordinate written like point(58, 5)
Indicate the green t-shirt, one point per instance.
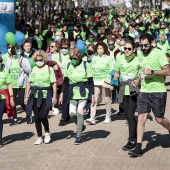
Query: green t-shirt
point(127, 70)
point(14, 71)
point(4, 57)
point(78, 74)
point(4, 80)
point(165, 47)
point(42, 78)
point(155, 60)
point(101, 68)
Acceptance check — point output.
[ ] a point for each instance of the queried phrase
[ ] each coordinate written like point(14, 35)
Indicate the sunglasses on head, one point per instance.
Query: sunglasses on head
point(64, 48)
point(129, 49)
point(52, 46)
point(144, 45)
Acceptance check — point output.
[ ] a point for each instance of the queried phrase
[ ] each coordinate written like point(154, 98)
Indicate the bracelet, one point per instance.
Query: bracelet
point(11, 96)
point(54, 97)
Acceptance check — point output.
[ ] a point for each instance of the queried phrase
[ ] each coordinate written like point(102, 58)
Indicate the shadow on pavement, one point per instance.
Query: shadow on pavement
point(95, 135)
point(17, 137)
point(61, 135)
point(155, 140)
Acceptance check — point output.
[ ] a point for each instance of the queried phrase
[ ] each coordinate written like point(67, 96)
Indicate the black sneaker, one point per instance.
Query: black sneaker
point(14, 122)
point(120, 113)
point(83, 129)
point(128, 146)
point(29, 119)
point(78, 140)
point(1, 144)
point(62, 122)
point(136, 152)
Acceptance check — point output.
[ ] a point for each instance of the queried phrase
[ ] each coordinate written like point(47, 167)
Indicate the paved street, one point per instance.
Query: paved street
point(101, 148)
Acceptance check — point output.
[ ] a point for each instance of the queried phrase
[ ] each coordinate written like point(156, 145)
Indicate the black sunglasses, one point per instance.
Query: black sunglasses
point(129, 49)
point(64, 48)
point(110, 44)
point(144, 45)
point(38, 60)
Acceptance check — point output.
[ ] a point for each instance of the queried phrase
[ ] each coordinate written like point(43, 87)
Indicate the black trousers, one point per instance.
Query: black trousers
point(2, 109)
point(58, 95)
point(129, 106)
point(40, 117)
point(65, 105)
point(18, 99)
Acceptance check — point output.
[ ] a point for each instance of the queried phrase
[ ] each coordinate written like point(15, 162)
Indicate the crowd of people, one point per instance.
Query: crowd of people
point(125, 61)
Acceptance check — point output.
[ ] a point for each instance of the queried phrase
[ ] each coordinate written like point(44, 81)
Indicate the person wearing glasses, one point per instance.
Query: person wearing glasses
point(19, 69)
point(153, 93)
point(127, 68)
point(64, 59)
point(53, 60)
point(6, 97)
point(41, 86)
point(78, 78)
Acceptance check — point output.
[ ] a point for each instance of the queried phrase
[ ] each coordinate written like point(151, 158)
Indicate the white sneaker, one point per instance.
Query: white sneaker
point(107, 120)
point(39, 141)
point(47, 138)
point(55, 111)
point(91, 121)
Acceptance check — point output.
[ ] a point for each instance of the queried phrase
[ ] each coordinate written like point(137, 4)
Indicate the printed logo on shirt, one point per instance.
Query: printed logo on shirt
point(33, 75)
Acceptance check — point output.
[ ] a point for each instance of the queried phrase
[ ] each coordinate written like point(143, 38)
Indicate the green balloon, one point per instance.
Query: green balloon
point(10, 38)
point(32, 63)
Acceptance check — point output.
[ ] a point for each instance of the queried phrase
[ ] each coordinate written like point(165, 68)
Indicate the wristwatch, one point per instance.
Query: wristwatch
point(152, 72)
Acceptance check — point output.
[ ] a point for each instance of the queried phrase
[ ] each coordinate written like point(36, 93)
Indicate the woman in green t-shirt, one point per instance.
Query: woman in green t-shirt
point(78, 77)
point(102, 65)
point(127, 64)
point(41, 86)
point(19, 69)
point(5, 83)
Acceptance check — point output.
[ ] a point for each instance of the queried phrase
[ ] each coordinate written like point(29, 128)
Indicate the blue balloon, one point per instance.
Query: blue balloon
point(19, 37)
point(81, 46)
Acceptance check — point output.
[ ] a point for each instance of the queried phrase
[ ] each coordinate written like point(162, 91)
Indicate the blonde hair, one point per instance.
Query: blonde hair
point(39, 53)
point(75, 52)
point(57, 44)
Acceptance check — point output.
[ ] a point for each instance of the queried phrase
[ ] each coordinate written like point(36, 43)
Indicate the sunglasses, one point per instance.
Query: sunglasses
point(129, 49)
point(144, 45)
point(52, 46)
point(110, 44)
point(73, 58)
point(64, 48)
point(38, 60)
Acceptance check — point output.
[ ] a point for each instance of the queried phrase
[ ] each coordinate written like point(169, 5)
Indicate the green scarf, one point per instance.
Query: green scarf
point(130, 58)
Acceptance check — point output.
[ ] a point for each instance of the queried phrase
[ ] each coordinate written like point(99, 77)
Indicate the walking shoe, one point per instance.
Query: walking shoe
point(91, 121)
point(107, 120)
point(78, 140)
point(39, 141)
point(83, 129)
point(29, 119)
point(136, 152)
point(14, 122)
point(1, 144)
point(62, 122)
point(128, 146)
point(55, 111)
point(120, 113)
point(127, 123)
point(47, 138)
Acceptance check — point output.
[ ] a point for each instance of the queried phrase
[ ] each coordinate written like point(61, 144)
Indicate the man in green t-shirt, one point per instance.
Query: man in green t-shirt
point(154, 67)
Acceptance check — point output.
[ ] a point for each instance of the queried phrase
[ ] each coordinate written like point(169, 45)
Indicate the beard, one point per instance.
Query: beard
point(147, 51)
